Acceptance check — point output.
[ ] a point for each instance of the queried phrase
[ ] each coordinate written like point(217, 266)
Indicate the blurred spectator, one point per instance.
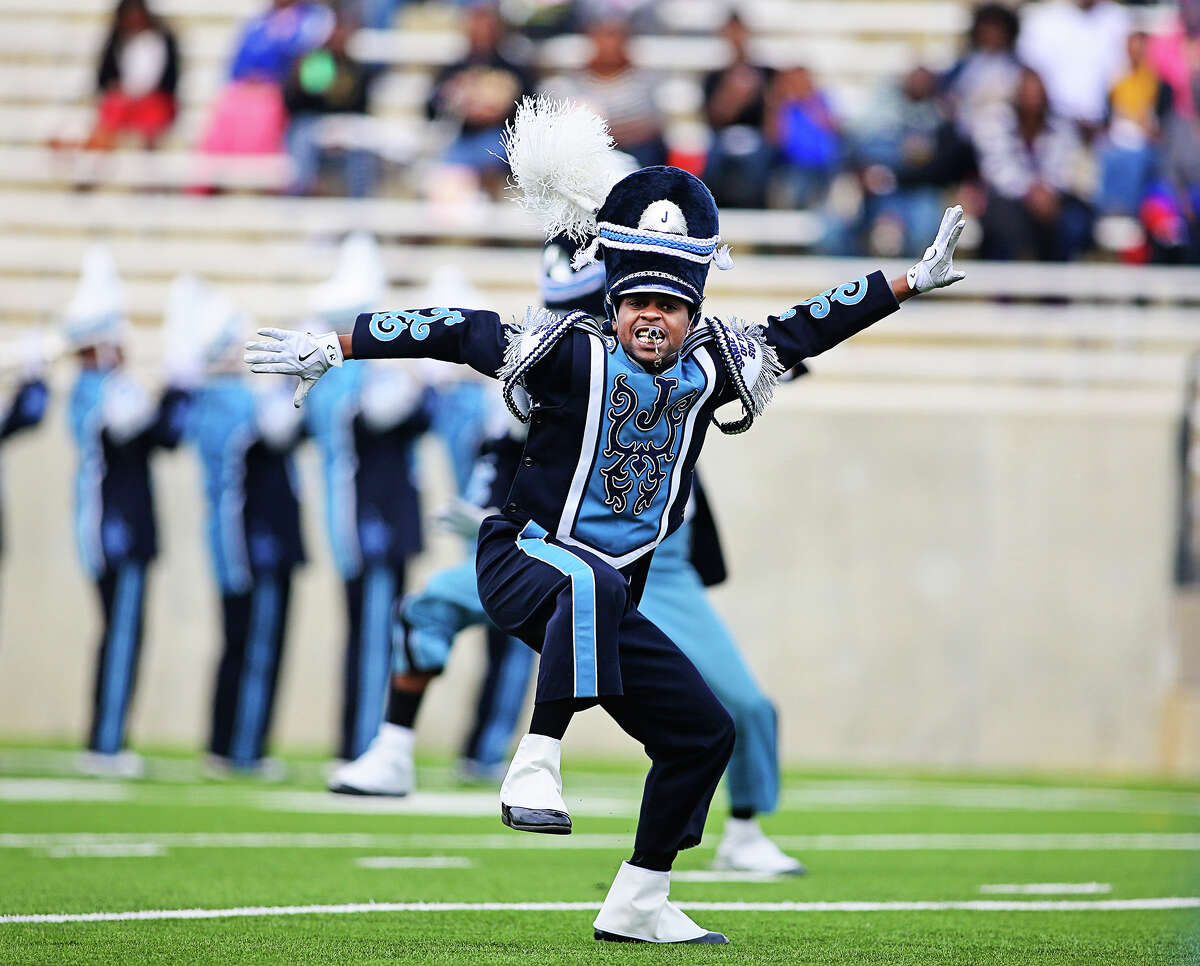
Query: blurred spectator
point(637, 15)
point(739, 158)
point(327, 83)
point(1175, 54)
point(1077, 47)
point(801, 126)
point(1138, 105)
point(987, 73)
point(249, 116)
point(1172, 211)
point(909, 152)
point(619, 92)
point(479, 93)
point(1034, 166)
point(139, 69)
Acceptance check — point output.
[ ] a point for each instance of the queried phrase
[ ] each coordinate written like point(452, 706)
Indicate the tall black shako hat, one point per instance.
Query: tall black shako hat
point(655, 229)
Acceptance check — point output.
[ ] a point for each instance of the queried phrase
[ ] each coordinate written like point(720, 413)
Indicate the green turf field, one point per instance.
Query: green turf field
point(903, 870)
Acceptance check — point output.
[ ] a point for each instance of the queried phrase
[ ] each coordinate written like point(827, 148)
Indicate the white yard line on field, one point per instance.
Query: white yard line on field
point(816, 794)
point(997, 842)
point(978, 905)
point(982, 841)
point(107, 850)
point(1046, 888)
point(414, 862)
point(63, 790)
point(715, 875)
point(990, 796)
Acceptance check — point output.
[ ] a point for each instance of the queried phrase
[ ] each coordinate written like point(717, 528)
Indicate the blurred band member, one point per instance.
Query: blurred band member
point(365, 421)
point(245, 441)
point(116, 426)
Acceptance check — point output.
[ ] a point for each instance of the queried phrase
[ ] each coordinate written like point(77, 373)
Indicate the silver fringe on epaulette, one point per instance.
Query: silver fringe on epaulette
point(754, 399)
point(549, 327)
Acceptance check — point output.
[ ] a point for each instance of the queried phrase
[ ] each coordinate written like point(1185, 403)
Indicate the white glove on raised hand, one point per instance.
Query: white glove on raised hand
point(295, 354)
point(936, 268)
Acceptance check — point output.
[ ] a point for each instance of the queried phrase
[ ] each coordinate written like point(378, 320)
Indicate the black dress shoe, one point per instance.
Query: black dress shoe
point(547, 820)
point(708, 939)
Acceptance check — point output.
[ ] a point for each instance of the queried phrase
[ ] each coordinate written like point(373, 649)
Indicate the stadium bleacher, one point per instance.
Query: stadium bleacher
point(137, 198)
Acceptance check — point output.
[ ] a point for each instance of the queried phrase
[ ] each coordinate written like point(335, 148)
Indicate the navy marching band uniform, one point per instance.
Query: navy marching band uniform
point(374, 520)
point(27, 409)
point(605, 476)
point(115, 526)
point(245, 443)
point(607, 470)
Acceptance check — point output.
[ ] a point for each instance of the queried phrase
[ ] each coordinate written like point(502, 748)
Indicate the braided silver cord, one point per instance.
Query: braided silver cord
point(721, 337)
point(540, 351)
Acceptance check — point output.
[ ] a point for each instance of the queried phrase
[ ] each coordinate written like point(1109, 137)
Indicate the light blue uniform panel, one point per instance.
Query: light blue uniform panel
point(120, 661)
point(258, 671)
point(330, 410)
point(85, 420)
point(459, 417)
point(448, 604)
point(223, 427)
point(640, 442)
point(675, 600)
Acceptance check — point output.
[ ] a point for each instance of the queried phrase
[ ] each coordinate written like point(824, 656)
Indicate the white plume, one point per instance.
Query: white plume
point(563, 164)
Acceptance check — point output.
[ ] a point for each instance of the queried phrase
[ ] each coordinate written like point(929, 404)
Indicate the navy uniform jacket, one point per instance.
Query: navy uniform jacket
point(114, 501)
point(249, 485)
point(27, 409)
point(372, 505)
point(705, 552)
point(389, 504)
point(608, 462)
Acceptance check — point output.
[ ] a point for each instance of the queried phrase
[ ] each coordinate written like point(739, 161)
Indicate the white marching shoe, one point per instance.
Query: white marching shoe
point(385, 768)
point(531, 794)
point(637, 910)
point(120, 764)
point(744, 848)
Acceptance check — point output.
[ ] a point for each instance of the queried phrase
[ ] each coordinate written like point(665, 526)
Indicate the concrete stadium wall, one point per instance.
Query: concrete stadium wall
point(913, 583)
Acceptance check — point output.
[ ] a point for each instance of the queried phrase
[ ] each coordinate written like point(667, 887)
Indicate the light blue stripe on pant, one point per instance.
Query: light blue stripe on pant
point(374, 652)
point(676, 601)
point(583, 602)
point(120, 654)
point(257, 669)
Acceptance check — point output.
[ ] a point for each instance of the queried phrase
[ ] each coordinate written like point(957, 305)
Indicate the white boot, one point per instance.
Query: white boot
point(744, 848)
point(637, 909)
point(531, 794)
point(385, 768)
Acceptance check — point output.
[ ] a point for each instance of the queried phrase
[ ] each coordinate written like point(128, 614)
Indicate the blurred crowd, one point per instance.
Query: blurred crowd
point(1060, 126)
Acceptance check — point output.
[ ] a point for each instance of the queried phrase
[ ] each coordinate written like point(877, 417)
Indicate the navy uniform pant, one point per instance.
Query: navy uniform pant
point(369, 600)
point(248, 673)
point(122, 590)
point(581, 615)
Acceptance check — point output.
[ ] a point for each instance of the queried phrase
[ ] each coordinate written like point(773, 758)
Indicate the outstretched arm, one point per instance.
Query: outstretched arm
point(473, 338)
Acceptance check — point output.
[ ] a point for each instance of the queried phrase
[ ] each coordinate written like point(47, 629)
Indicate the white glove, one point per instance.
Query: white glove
point(295, 354)
point(936, 268)
point(462, 518)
